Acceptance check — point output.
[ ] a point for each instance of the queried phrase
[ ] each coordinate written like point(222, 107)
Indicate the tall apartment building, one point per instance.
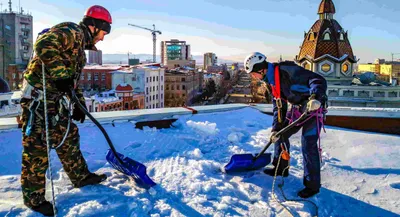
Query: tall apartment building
point(16, 41)
point(95, 57)
point(176, 53)
point(210, 59)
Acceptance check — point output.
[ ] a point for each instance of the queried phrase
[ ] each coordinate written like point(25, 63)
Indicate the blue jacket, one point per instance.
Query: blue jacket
point(297, 85)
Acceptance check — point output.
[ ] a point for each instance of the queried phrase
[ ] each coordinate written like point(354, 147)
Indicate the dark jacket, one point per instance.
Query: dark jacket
point(297, 85)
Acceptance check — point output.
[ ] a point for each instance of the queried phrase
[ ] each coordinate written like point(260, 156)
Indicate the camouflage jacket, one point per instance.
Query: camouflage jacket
point(62, 51)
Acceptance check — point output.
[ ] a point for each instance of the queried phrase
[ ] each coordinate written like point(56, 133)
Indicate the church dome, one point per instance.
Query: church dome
point(326, 6)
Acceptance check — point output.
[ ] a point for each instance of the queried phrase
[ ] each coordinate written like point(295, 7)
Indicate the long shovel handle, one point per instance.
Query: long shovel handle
point(76, 100)
point(284, 130)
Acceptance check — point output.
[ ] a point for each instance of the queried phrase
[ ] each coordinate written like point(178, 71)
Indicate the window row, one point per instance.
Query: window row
point(154, 78)
point(178, 87)
point(155, 97)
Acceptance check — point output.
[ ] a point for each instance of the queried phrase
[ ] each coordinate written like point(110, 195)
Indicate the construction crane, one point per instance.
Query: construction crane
point(153, 32)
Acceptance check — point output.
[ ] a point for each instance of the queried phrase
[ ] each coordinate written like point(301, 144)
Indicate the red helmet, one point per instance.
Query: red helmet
point(99, 12)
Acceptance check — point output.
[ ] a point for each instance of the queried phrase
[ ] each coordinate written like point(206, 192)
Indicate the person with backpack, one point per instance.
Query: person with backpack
point(59, 55)
point(305, 91)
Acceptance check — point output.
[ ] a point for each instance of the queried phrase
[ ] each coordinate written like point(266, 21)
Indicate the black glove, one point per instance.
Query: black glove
point(78, 114)
point(64, 85)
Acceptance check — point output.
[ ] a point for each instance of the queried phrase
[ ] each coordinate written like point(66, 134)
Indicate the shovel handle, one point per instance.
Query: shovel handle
point(76, 100)
point(284, 130)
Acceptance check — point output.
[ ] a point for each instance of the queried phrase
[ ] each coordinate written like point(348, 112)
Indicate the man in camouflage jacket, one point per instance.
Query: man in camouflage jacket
point(61, 50)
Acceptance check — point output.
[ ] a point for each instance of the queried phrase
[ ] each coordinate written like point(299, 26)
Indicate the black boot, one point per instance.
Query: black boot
point(282, 165)
point(307, 192)
point(46, 208)
point(271, 172)
point(91, 179)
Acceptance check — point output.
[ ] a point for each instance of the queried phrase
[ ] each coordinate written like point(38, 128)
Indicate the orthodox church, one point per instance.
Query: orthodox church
point(326, 48)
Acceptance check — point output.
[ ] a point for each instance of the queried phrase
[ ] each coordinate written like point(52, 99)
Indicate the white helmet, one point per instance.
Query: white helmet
point(253, 59)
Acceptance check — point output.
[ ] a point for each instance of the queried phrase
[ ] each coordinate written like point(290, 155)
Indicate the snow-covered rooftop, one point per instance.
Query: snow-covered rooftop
point(360, 171)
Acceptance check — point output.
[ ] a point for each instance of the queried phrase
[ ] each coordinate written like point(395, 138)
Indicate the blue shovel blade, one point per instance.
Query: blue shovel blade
point(246, 162)
point(131, 168)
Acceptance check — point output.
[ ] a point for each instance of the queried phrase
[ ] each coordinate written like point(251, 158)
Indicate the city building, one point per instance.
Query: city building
point(210, 59)
point(95, 57)
point(105, 101)
point(130, 99)
point(15, 76)
point(175, 53)
point(326, 48)
point(388, 71)
point(16, 41)
point(182, 86)
point(97, 77)
point(144, 79)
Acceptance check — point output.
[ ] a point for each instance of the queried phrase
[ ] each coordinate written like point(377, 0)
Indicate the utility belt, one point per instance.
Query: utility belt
point(35, 96)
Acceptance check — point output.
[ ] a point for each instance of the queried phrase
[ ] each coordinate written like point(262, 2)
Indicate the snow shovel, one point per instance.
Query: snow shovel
point(123, 164)
point(248, 162)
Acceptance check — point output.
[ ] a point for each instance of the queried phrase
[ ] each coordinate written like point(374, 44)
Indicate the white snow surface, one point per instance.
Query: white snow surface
point(360, 172)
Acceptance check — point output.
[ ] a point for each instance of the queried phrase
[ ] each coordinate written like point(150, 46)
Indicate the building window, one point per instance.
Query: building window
point(157, 96)
point(162, 96)
point(89, 76)
point(326, 67)
point(147, 80)
point(162, 78)
point(162, 87)
point(341, 37)
point(162, 105)
point(311, 36)
point(96, 76)
point(157, 87)
point(82, 76)
point(167, 87)
point(154, 78)
point(154, 88)
point(182, 79)
point(154, 97)
point(103, 76)
point(327, 37)
point(183, 87)
point(345, 68)
point(178, 87)
point(157, 78)
point(14, 75)
point(26, 47)
point(172, 87)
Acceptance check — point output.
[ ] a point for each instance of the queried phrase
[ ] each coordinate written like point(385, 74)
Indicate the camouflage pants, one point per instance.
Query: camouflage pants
point(34, 155)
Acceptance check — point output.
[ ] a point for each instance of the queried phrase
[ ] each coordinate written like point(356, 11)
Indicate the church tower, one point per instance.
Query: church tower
point(326, 48)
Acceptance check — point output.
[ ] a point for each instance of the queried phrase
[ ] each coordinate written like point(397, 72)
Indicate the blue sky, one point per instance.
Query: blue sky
point(230, 28)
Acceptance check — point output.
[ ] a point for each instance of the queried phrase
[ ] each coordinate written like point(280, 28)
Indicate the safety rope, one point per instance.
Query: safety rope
point(319, 120)
point(47, 138)
point(280, 186)
point(69, 123)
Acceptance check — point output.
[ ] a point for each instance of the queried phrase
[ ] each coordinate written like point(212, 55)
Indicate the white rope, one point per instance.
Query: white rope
point(47, 138)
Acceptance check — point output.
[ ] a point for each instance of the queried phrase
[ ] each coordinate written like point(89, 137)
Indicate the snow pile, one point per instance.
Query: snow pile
point(360, 172)
point(205, 127)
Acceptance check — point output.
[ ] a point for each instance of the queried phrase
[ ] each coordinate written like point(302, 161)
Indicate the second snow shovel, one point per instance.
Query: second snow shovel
point(123, 164)
point(248, 162)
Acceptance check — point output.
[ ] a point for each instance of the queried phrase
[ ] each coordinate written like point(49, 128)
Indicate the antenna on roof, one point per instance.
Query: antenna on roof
point(10, 5)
